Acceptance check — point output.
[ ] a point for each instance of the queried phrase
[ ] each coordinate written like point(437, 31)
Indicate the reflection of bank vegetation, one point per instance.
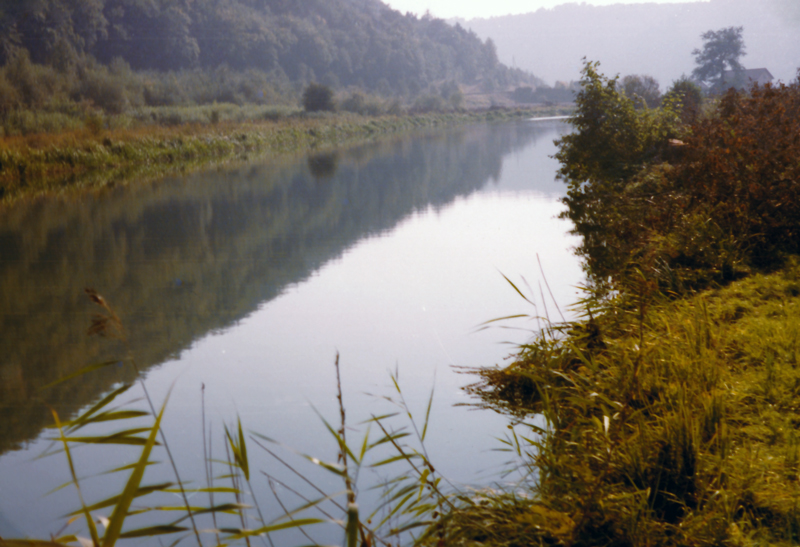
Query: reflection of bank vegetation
point(185, 257)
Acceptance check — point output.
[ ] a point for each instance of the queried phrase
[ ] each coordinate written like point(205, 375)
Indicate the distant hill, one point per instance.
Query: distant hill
point(337, 42)
point(654, 39)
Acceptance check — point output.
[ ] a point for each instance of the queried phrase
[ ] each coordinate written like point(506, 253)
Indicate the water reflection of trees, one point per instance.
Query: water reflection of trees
point(184, 257)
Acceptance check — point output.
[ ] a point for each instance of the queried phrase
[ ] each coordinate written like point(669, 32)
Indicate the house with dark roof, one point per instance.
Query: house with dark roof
point(745, 79)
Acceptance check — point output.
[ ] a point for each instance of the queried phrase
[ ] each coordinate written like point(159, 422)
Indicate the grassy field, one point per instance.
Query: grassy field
point(119, 150)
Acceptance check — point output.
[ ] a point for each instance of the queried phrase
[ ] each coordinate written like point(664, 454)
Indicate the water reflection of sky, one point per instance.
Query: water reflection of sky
point(409, 299)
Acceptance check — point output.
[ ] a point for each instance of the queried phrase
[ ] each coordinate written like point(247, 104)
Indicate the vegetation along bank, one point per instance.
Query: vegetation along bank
point(100, 154)
point(669, 409)
point(98, 91)
point(671, 406)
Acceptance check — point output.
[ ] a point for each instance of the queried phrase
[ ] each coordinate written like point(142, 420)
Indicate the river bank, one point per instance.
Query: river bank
point(97, 156)
point(667, 413)
point(667, 423)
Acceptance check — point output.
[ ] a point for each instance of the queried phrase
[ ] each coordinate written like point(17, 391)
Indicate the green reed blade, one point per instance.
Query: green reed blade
point(239, 450)
point(410, 488)
point(525, 298)
point(126, 468)
point(123, 437)
point(427, 414)
point(338, 437)
point(389, 438)
point(115, 415)
point(244, 464)
point(153, 531)
point(410, 526)
point(84, 509)
point(240, 534)
point(113, 500)
point(364, 446)
point(230, 508)
point(332, 467)
point(383, 417)
point(310, 504)
point(215, 490)
point(76, 423)
point(81, 372)
point(393, 459)
point(114, 528)
point(29, 543)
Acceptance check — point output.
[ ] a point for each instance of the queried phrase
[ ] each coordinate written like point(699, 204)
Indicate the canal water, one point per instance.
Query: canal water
point(249, 279)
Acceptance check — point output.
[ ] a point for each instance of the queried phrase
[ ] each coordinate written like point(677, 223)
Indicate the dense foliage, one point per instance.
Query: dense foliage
point(687, 97)
point(667, 415)
point(643, 89)
point(336, 42)
point(317, 98)
point(720, 201)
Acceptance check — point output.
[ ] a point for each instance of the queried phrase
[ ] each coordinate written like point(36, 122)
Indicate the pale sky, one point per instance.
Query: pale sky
point(469, 9)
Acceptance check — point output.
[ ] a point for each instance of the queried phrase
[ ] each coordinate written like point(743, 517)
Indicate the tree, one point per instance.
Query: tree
point(646, 88)
point(317, 97)
point(688, 96)
point(721, 51)
point(604, 163)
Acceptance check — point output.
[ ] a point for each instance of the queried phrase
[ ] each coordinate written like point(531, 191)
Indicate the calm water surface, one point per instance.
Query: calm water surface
point(249, 279)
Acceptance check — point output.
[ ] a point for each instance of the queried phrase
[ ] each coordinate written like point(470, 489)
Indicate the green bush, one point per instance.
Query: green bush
point(36, 85)
point(318, 98)
point(104, 91)
point(429, 103)
point(644, 90)
point(687, 204)
point(361, 103)
point(9, 96)
point(688, 95)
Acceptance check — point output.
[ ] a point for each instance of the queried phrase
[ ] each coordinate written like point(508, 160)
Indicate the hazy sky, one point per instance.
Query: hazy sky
point(490, 8)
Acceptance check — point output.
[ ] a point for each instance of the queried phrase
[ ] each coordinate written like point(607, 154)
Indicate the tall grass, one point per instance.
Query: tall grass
point(667, 422)
point(413, 497)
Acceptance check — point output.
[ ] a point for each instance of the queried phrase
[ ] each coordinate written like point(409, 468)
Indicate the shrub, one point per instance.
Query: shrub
point(688, 96)
point(356, 103)
point(105, 91)
point(429, 103)
point(9, 96)
point(642, 89)
point(35, 84)
point(361, 103)
point(741, 164)
point(318, 98)
point(524, 94)
point(708, 208)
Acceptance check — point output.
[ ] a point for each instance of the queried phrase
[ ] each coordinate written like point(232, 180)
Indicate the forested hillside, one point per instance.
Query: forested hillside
point(339, 43)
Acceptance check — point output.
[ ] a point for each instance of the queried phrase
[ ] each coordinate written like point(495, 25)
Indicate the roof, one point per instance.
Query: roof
point(754, 74)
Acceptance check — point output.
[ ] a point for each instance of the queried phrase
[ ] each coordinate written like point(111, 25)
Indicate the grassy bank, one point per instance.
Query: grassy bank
point(108, 151)
point(668, 423)
point(670, 407)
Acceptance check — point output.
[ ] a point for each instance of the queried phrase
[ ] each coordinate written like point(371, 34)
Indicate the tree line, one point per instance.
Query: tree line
point(338, 43)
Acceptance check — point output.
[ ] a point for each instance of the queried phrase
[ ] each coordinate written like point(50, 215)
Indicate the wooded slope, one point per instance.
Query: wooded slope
point(336, 42)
